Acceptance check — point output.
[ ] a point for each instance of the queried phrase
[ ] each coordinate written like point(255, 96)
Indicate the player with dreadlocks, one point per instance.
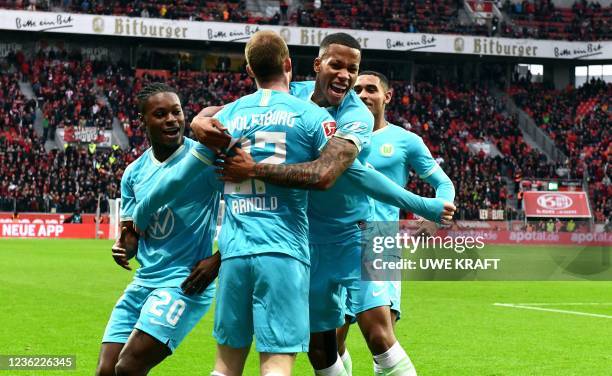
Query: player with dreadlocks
point(155, 313)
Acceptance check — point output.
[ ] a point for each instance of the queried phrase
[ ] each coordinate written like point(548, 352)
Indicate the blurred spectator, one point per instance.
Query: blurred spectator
point(74, 218)
point(570, 226)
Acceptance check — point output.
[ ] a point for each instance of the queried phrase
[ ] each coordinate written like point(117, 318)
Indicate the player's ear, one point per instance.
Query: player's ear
point(287, 65)
point(388, 96)
point(317, 65)
point(250, 71)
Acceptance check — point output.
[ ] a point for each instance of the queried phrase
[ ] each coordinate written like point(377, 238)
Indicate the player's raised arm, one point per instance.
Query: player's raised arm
point(381, 188)
point(420, 158)
point(445, 190)
point(442, 184)
point(322, 173)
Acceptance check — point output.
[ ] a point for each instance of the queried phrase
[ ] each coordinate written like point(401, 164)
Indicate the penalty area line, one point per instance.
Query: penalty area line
point(578, 313)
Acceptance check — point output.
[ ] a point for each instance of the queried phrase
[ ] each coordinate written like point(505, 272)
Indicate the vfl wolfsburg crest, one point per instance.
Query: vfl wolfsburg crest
point(386, 150)
point(162, 224)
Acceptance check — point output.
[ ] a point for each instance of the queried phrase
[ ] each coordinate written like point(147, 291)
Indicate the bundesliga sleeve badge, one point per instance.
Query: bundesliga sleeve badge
point(329, 127)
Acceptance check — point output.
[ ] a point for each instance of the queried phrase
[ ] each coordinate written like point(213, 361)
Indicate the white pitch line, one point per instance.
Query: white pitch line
point(553, 310)
point(559, 304)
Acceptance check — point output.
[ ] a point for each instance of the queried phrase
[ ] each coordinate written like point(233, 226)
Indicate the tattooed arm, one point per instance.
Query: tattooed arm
point(337, 155)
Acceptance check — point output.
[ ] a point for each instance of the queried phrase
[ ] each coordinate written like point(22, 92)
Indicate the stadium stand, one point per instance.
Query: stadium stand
point(227, 11)
point(449, 116)
point(40, 181)
point(586, 21)
point(66, 85)
point(399, 16)
point(59, 180)
point(543, 20)
point(579, 122)
point(35, 180)
point(63, 180)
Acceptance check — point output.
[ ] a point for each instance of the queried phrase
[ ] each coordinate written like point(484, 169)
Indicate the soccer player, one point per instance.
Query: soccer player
point(265, 274)
point(153, 315)
point(337, 216)
point(394, 151)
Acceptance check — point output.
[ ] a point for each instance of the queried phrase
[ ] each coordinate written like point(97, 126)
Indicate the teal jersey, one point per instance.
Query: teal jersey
point(275, 128)
point(181, 232)
point(334, 214)
point(394, 151)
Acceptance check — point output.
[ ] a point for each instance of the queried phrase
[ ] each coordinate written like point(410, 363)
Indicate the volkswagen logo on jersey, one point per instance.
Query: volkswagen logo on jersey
point(162, 224)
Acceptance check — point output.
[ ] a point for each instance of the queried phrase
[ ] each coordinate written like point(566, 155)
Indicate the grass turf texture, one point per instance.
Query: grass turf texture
point(58, 295)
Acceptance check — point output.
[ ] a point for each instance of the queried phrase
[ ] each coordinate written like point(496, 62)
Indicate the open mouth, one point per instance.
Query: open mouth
point(171, 132)
point(337, 90)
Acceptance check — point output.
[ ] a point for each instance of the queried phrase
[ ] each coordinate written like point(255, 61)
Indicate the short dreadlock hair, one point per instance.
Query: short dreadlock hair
point(150, 90)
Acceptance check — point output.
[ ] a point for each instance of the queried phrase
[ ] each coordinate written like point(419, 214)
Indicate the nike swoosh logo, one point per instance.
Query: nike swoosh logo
point(378, 293)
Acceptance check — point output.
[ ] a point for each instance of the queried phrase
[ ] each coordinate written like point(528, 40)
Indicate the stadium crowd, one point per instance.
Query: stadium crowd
point(455, 120)
point(578, 120)
point(399, 16)
point(198, 10)
point(61, 181)
point(585, 20)
point(64, 180)
point(32, 179)
point(64, 85)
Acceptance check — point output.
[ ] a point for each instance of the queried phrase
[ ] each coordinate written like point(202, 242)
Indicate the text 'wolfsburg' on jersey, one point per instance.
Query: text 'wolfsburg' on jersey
point(181, 232)
point(275, 128)
point(334, 214)
point(394, 151)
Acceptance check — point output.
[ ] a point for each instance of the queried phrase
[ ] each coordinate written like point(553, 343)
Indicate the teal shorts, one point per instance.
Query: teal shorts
point(265, 295)
point(372, 294)
point(165, 313)
point(335, 268)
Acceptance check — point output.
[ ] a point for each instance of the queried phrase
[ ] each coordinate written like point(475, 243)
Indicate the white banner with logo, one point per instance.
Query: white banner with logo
point(87, 135)
point(300, 36)
point(556, 204)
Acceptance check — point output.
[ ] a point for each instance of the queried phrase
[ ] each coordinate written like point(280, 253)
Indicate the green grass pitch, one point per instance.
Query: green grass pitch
point(57, 296)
